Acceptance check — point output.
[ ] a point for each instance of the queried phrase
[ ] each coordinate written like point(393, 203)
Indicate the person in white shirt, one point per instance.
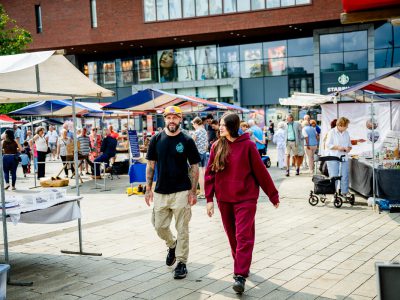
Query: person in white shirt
point(338, 144)
point(41, 148)
point(52, 137)
point(279, 140)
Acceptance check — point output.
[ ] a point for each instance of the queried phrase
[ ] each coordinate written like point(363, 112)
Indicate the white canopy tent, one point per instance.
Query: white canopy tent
point(31, 77)
point(306, 99)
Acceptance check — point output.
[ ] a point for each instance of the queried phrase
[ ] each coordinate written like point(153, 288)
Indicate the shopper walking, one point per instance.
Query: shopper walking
point(259, 137)
point(10, 159)
point(310, 143)
point(52, 137)
point(176, 186)
point(293, 141)
point(41, 148)
point(279, 140)
point(234, 175)
point(65, 143)
point(201, 140)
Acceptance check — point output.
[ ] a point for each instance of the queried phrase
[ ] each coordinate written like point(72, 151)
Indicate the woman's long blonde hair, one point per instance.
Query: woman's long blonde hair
point(221, 146)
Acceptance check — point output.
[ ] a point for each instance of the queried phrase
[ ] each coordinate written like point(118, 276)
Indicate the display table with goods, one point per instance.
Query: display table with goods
point(50, 206)
point(387, 171)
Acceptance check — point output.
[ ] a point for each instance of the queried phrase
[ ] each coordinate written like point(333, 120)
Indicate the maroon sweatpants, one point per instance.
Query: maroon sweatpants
point(238, 220)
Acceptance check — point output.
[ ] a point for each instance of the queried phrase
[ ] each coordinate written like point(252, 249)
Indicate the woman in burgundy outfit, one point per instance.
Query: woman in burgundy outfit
point(234, 175)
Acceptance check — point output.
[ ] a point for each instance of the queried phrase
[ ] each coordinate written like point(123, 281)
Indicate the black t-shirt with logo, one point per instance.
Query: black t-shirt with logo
point(173, 155)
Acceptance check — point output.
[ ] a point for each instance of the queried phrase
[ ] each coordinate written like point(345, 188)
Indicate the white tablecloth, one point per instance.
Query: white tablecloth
point(46, 213)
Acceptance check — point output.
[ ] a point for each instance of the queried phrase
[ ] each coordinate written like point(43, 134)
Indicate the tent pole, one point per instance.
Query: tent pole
point(3, 207)
point(80, 252)
point(373, 146)
point(34, 165)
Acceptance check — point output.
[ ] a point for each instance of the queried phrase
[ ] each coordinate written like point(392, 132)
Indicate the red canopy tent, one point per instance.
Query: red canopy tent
point(7, 119)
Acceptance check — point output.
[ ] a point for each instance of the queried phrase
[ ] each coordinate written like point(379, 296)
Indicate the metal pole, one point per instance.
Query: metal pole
point(77, 188)
point(373, 147)
point(33, 152)
point(76, 170)
point(3, 208)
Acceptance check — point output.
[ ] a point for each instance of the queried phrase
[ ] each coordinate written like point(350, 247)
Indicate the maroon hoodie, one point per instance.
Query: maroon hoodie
point(242, 177)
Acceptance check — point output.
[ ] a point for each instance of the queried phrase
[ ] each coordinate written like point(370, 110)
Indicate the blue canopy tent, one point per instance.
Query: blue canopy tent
point(54, 108)
point(152, 100)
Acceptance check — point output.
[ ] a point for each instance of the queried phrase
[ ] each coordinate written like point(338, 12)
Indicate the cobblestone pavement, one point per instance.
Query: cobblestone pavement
point(301, 252)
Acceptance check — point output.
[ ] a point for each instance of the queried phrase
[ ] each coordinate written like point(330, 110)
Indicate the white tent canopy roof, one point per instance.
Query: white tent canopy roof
point(59, 78)
point(306, 99)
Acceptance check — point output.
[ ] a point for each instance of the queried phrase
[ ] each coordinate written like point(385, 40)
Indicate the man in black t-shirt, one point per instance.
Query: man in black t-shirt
point(176, 187)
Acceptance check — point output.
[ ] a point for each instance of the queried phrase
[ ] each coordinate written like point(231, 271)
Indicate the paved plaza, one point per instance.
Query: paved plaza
point(301, 252)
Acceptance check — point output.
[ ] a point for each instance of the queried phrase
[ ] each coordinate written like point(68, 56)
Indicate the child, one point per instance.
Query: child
point(26, 158)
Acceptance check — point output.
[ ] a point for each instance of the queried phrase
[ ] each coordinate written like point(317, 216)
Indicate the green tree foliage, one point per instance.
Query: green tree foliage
point(13, 40)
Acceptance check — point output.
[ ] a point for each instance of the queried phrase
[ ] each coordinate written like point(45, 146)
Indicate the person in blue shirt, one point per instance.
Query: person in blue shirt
point(310, 143)
point(259, 137)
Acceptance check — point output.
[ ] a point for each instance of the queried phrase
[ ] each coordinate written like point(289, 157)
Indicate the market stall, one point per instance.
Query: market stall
point(36, 76)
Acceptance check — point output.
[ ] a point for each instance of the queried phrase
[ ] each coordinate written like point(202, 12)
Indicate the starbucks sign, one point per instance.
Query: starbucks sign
point(338, 81)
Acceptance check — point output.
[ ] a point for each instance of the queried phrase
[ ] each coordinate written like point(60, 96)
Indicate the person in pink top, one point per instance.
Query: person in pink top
point(234, 175)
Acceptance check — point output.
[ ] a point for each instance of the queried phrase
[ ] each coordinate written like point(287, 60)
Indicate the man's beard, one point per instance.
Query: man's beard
point(174, 128)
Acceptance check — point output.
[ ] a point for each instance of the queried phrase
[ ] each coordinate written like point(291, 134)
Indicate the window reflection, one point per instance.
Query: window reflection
point(355, 40)
point(332, 62)
point(356, 60)
point(287, 2)
point(331, 43)
point(273, 3)
point(301, 65)
point(299, 47)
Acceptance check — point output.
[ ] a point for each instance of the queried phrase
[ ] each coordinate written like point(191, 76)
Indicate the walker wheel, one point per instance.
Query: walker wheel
point(338, 202)
point(268, 163)
point(323, 199)
point(313, 200)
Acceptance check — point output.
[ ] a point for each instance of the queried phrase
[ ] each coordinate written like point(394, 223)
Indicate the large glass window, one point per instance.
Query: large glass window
point(251, 60)
point(229, 6)
point(243, 5)
point(127, 72)
point(149, 10)
point(387, 36)
point(206, 60)
point(185, 60)
point(299, 47)
point(330, 43)
point(257, 4)
point(387, 42)
point(229, 61)
point(275, 55)
point(201, 8)
point(162, 9)
point(175, 9)
point(188, 8)
point(215, 7)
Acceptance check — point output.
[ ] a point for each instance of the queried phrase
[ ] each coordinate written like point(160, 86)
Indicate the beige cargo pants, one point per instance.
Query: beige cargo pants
point(166, 206)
